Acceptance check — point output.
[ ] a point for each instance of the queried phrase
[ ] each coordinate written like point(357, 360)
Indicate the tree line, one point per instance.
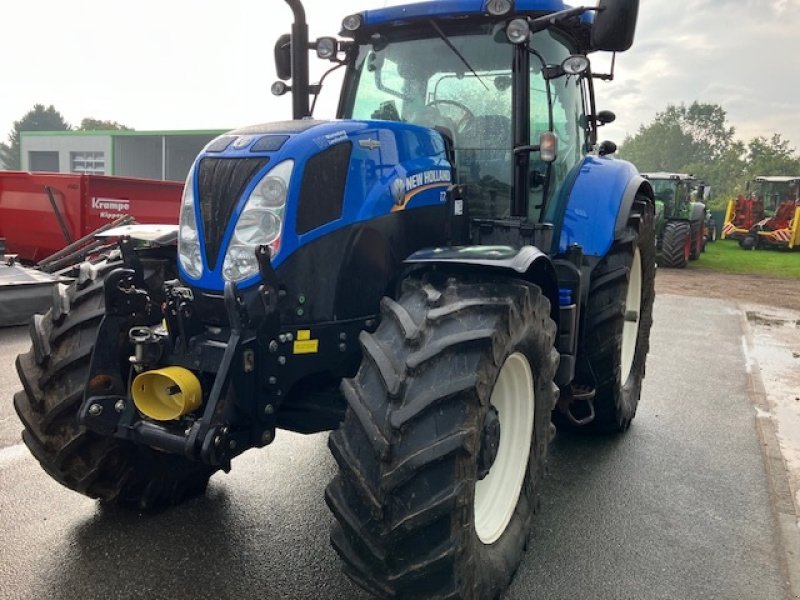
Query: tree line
point(41, 118)
point(697, 139)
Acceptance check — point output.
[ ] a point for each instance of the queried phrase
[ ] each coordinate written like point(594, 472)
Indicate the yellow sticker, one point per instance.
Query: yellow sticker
point(304, 334)
point(306, 347)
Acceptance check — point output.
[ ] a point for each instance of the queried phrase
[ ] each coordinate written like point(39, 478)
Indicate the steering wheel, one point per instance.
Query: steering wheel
point(467, 116)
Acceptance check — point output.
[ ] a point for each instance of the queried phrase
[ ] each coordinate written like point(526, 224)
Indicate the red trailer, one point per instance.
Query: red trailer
point(41, 213)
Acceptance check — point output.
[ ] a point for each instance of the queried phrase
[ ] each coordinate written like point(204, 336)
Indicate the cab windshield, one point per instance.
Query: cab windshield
point(424, 81)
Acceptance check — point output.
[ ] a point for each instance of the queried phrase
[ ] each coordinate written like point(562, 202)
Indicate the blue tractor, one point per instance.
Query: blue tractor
point(437, 276)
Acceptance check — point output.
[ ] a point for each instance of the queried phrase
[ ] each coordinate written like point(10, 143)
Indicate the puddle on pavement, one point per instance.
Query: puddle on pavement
point(776, 348)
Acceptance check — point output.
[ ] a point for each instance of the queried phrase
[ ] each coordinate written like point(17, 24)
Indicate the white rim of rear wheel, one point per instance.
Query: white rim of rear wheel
point(633, 305)
point(496, 496)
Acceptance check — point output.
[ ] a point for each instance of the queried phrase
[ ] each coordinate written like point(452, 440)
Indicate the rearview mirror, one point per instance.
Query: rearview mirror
point(604, 117)
point(283, 56)
point(615, 25)
point(607, 148)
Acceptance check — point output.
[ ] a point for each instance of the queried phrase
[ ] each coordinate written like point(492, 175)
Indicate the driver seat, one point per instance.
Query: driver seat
point(484, 148)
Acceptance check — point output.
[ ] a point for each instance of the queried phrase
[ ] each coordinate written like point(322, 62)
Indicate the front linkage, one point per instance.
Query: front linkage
point(230, 370)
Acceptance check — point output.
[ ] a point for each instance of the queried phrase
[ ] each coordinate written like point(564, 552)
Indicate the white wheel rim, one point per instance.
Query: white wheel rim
point(496, 496)
point(633, 305)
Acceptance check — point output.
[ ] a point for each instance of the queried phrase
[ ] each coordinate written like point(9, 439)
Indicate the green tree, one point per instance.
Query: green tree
point(690, 139)
point(771, 157)
point(90, 124)
point(659, 146)
point(39, 118)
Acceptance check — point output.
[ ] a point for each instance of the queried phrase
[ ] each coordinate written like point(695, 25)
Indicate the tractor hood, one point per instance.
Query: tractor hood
point(336, 173)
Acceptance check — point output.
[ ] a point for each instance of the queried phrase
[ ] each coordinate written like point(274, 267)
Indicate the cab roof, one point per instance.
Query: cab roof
point(672, 176)
point(778, 179)
point(454, 8)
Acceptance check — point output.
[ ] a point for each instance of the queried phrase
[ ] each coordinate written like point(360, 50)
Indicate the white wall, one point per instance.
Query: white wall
point(64, 144)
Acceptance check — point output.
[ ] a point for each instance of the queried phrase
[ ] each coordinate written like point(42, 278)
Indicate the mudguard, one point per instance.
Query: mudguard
point(528, 263)
point(598, 204)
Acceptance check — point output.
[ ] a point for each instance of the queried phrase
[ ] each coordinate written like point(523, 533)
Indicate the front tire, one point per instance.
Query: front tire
point(620, 315)
point(452, 363)
point(53, 374)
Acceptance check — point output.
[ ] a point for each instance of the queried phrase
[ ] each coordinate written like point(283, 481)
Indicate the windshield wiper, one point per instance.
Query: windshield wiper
point(450, 45)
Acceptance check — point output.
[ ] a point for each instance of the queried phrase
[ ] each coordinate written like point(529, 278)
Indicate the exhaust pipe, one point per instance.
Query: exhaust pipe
point(300, 83)
point(167, 394)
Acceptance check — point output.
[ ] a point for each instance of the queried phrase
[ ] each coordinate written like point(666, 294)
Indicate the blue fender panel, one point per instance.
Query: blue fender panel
point(599, 204)
point(527, 263)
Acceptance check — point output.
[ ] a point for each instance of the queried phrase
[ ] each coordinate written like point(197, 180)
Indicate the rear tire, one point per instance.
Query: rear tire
point(615, 345)
point(676, 245)
point(53, 374)
point(749, 242)
point(697, 240)
point(413, 521)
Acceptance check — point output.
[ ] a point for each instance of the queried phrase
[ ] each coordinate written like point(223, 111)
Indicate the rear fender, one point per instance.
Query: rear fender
point(698, 212)
point(527, 263)
point(599, 204)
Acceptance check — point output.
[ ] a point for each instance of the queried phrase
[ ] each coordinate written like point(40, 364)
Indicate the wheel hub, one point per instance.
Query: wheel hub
point(490, 442)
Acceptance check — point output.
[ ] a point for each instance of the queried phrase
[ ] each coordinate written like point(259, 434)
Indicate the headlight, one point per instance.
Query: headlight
point(188, 243)
point(260, 223)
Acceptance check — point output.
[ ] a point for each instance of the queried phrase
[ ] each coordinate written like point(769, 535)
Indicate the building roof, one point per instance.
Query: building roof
point(123, 133)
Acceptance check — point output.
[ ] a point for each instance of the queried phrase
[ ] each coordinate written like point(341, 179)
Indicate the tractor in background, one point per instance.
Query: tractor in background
point(430, 276)
point(681, 219)
point(768, 216)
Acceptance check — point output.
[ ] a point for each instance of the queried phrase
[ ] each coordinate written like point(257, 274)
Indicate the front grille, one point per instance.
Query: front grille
point(221, 183)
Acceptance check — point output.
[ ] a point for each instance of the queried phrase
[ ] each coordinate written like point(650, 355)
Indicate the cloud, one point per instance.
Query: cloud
point(742, 54)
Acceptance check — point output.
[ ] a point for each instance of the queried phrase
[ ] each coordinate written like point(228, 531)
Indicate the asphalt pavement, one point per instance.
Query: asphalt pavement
point(681, 507)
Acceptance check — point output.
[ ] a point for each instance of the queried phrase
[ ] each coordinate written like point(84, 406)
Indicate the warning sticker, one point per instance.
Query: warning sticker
point(306, 346)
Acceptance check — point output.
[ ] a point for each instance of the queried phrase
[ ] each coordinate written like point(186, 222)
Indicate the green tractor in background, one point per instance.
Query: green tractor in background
point(681, 219)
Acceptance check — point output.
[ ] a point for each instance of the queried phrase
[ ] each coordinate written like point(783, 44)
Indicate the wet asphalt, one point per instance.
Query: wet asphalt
point(678, 508)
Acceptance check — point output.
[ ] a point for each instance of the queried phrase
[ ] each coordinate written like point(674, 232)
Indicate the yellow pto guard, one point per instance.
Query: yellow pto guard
point(167, 394)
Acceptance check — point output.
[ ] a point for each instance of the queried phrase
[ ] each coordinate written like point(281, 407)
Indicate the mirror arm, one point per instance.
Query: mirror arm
point(542, 23)
point(609, 76)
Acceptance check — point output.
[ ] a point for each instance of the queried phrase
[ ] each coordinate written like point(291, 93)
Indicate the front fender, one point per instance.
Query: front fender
point(599, 204)
point(527, 263)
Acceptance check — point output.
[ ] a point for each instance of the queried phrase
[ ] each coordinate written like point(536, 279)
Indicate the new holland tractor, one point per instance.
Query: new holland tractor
point(431, 276)
point(681, 219)
point(768, 216)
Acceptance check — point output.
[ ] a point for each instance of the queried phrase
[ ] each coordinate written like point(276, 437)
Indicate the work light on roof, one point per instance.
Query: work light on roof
point(352, 23)
point(499, 8)
point(518, 31)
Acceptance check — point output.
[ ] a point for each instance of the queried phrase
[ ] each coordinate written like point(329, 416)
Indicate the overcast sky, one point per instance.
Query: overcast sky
point(203, 64)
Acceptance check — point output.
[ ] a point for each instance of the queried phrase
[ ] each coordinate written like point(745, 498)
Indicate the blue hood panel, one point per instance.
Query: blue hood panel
point(393, 167)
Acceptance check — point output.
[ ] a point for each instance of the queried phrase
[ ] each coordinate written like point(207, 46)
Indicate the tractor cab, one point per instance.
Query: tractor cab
point(673, 192)
point(463, 80)
point(772, 192)
point(507, 85)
